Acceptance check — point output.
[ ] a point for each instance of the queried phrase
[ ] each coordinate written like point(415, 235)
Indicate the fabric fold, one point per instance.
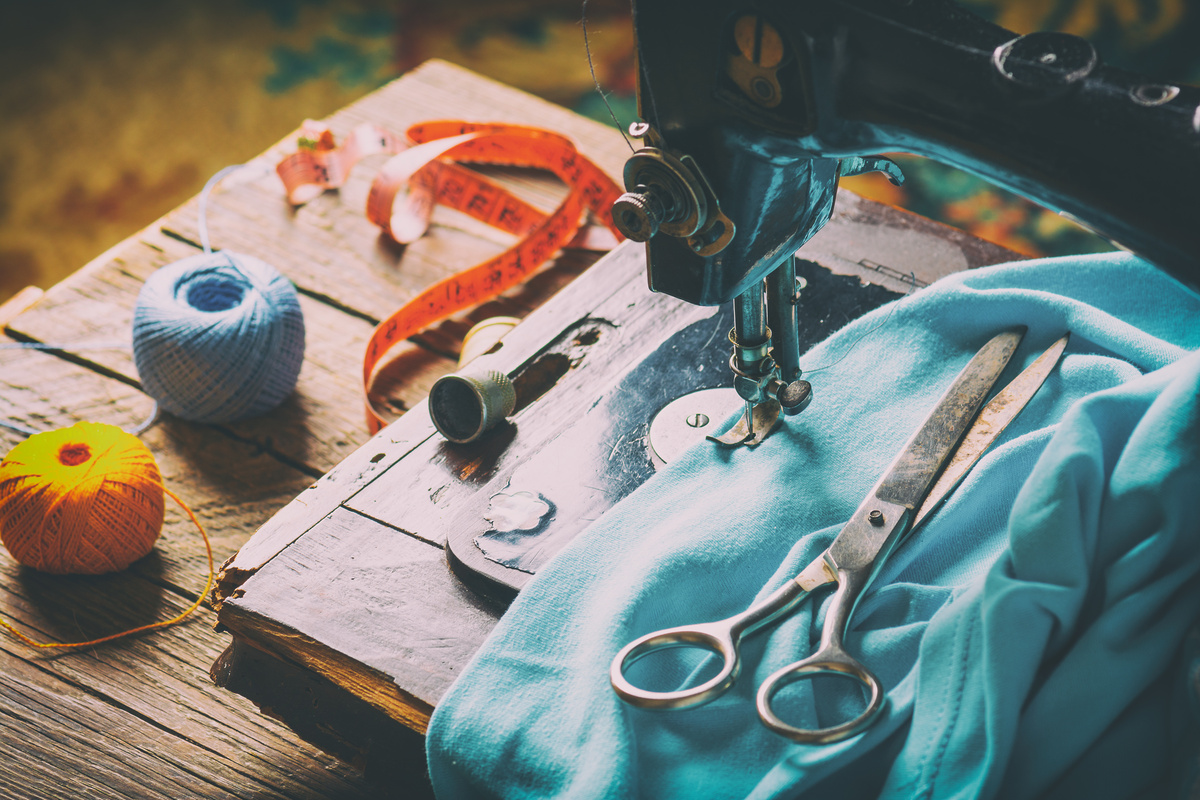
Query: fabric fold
point(1032, 627)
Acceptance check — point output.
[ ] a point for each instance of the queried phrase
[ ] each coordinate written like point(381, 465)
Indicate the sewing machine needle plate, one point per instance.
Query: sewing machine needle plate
point(688, 419)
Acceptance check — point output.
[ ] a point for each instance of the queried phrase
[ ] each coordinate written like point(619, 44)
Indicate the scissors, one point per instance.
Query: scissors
point(901, 500)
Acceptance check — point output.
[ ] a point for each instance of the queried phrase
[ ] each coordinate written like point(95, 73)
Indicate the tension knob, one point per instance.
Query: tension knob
point(638, 214)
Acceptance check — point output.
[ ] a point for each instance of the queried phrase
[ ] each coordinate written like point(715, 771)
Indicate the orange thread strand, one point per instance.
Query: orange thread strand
point(152, 626)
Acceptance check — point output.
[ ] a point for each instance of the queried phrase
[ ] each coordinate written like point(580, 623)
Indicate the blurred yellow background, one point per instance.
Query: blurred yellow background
point(112, 114)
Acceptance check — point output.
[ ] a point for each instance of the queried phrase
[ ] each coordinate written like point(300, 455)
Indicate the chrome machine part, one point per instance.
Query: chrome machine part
point(666, 192)
point(755, 425)
point(783, 295)
point(662, 193)
point(766, 363)
point(688, 420)
point(751, 339)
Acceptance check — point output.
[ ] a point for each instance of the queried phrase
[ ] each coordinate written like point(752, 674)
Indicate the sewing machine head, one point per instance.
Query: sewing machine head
point(753, 109)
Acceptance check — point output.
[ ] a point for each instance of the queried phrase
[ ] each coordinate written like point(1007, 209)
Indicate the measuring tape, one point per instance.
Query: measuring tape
point(425, 174)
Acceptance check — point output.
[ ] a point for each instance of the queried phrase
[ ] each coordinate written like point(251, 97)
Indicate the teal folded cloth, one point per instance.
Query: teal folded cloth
point(1035, 636)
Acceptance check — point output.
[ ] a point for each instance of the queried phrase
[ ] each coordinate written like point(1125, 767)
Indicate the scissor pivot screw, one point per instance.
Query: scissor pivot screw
point(875, 517)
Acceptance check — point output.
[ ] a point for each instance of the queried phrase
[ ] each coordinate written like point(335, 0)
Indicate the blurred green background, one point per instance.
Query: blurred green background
point(111, 114)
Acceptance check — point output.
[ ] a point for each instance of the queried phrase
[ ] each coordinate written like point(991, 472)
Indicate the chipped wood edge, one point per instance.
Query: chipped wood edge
point(319, 500)
point(370, 685)
point(19, 303)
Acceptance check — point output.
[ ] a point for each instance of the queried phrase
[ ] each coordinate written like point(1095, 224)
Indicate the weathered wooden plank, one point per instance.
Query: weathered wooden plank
point(575, 452)
point(421, 485)
point(232, 485)
point(315, 428)
point(149, 695)
point(407, 624)
point(328, 716)
point(438, 475)
point(325, 587)
point(363, 644)
point(323, 422)
point(624, 266)
point(74, 734)
point(329, 249)
point(161, 677)
point(95, 304)
point(39, 391)
point(61, 741)
point(562, 453)
point(19, 302)
point(47, 736)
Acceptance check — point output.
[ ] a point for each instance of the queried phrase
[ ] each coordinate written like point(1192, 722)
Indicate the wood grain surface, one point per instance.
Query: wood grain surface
point(140, 718)
point(402, 494)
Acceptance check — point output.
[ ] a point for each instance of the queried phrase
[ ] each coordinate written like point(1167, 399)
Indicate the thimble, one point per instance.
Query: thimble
point(464, 404)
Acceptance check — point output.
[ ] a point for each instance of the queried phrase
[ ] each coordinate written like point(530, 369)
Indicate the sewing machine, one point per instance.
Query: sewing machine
point(753, 110)
point(353, 652)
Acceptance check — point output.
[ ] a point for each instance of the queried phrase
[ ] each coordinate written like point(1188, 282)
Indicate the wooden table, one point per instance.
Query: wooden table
point(346, 622)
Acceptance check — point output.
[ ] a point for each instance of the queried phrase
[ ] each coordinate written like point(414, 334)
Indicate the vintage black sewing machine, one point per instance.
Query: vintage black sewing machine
point(751, 112)
point(754, 110)
point(346, 623)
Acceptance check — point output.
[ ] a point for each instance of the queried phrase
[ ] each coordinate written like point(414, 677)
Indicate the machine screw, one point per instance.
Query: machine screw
point(762, 89)
point(697, 420)
point(1151, 95)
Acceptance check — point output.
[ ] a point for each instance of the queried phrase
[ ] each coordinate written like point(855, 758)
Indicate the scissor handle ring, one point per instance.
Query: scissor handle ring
point(838, 663)
point(712, 637)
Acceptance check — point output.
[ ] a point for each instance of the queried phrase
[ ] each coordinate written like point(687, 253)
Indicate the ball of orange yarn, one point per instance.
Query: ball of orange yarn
point(87, 499)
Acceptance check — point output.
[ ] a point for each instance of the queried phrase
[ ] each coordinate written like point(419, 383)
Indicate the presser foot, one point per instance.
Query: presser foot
point(755, 425)
point(693, 417)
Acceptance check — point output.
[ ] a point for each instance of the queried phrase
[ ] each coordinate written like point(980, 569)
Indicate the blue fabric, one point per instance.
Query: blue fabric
point(1031, 636)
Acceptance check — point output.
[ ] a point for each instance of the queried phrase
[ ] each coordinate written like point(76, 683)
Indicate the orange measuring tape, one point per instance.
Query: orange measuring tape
point(425, 174)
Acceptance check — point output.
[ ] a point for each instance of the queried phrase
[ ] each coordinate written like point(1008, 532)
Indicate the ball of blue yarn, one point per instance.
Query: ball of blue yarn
point(218, 337)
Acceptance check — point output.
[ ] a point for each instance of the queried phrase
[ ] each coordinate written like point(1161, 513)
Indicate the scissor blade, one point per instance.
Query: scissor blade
point(914, 471)
point(1001, 410)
